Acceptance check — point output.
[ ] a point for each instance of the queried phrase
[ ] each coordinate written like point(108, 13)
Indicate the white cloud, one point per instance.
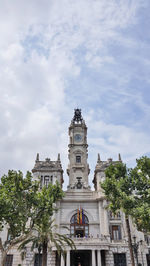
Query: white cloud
point(109, 140)
point(43, 45)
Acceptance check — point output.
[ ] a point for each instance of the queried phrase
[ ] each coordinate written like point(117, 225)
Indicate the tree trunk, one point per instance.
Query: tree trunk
point(44, 255)
point(4, 255)
point(130, 241)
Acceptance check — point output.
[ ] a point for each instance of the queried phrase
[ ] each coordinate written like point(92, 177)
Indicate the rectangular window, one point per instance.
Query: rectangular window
point(147, 239)
point(72, 230)
point(78, 159)
point(38, 260)
point(9, 236)
point(9, 260)
point(120, 259)
point(86, 231)
point(46, 181)
point(116, 232)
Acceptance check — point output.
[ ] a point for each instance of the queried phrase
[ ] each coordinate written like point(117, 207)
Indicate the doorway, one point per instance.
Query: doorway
point(120, 259)
point(148, 259)
point(81, 257)
point(79, 232)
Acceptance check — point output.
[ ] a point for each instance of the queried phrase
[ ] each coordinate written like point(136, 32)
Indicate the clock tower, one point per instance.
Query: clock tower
point(78, 168)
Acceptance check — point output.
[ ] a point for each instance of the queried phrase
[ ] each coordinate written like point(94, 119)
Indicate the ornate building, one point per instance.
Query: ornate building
point(99, 236)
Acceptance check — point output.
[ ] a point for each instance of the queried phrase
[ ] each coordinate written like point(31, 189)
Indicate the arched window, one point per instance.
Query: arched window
point(79, 225)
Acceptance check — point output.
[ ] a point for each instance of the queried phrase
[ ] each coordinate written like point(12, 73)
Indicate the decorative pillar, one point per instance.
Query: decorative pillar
point(93, 258)
point(62, 261)
point(68, 258)
point(99, 263)
point(100, 216)
point(106, 223)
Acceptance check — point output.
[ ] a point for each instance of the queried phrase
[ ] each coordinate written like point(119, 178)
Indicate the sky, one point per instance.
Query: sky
point(57, 55)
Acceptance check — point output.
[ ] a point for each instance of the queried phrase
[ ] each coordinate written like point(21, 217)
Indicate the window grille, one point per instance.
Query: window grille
point(46, 181)
point(38, 260)
point(9, 260)
point(120, 259)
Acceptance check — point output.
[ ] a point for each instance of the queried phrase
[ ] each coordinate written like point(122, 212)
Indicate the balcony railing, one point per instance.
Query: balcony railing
point(101, 241)
point(98, 239)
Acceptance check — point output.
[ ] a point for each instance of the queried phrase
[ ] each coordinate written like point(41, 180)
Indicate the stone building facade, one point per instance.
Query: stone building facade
point(99, 236)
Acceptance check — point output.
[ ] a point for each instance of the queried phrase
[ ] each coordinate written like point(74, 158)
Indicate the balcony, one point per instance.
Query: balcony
point(99, 240)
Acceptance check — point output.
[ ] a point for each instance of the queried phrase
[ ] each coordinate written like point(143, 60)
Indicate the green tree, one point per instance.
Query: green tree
point(27, 212)
point(44, 234)
point(16, 195)
point(141, 186)
point(118, 189)
point(129, 190)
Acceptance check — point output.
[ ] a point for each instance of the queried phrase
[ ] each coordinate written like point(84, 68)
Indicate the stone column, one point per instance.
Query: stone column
point(62, 261)
point(99, 263)
point(106, 223)
point(93, 258)
point(100, 216)
point(68, 258)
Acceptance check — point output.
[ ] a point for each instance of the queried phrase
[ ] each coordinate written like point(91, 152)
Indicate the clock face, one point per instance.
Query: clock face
point(78, 138)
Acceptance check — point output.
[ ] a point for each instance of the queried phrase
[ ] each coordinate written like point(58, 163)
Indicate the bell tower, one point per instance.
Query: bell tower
point(78, 168)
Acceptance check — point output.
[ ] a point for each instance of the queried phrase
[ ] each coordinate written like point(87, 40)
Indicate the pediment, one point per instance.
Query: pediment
point(78, 152)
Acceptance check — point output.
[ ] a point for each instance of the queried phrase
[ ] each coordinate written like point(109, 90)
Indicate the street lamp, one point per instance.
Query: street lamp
point(135, 246)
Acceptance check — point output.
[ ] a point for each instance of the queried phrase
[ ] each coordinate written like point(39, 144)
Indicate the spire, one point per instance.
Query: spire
point(98, 158)
point(119, 157)
point(37, 157)
point(58, 158)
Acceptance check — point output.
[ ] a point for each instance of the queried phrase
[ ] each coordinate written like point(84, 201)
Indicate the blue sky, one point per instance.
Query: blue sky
point(61, 54)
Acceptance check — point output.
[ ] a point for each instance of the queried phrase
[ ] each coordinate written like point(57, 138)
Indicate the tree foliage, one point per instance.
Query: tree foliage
point(44, 234)
point(141, 185)
point(118, 187)
point(27, 212)
point(129, 190)
point(16, 195)
point(16, 200)
point(119, 192)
